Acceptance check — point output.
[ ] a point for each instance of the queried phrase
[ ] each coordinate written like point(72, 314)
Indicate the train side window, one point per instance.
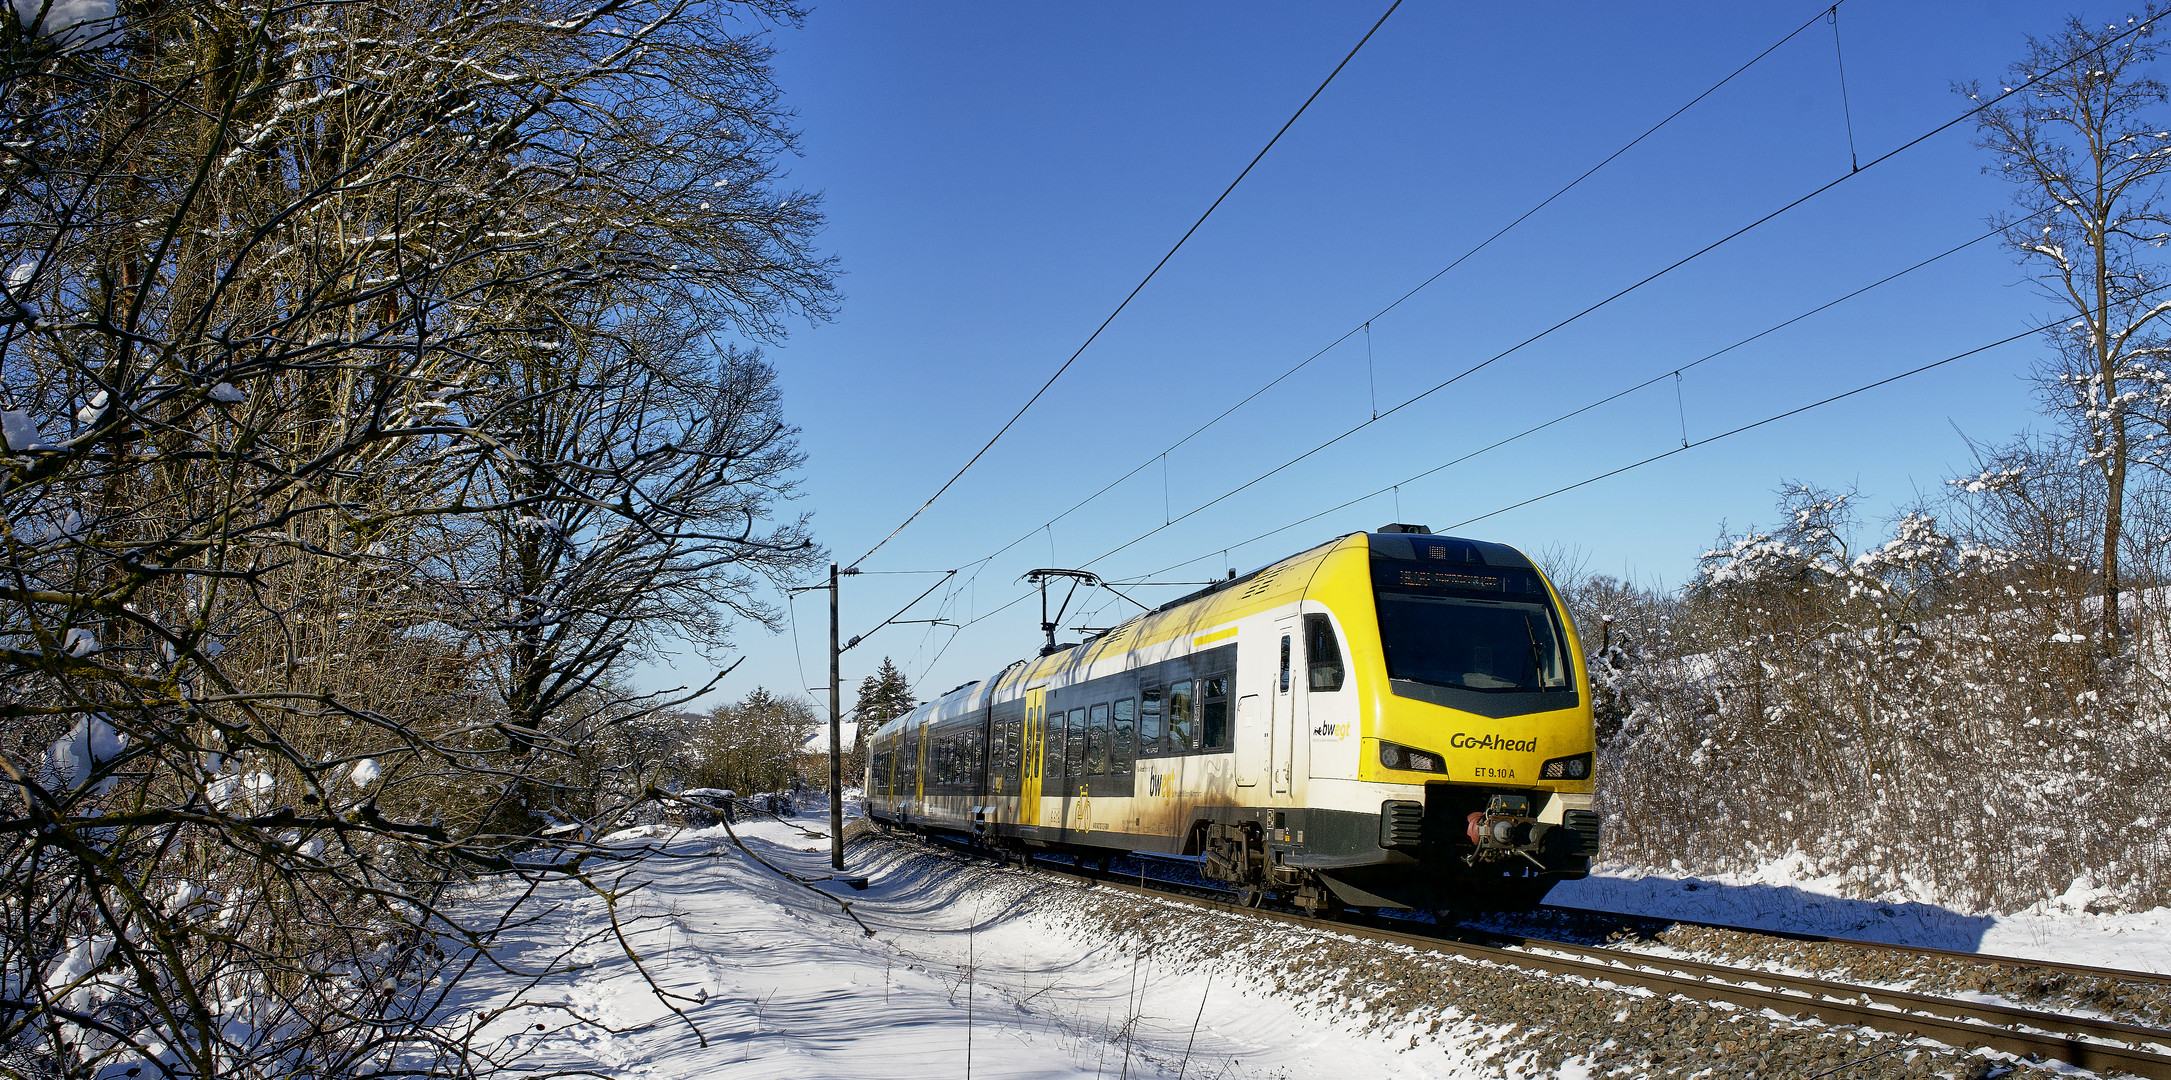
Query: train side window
point(1052, 743)
point(1182, 734)
point(1214, 712)
point(1011, 746)
point(1097, 740)
point(1149, 721)
point(1285, 663)
point(1075, 752)
point(1323, 655)
point(1126, 715)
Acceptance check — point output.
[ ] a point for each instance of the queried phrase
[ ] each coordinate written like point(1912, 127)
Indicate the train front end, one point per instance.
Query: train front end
point(1475, 724)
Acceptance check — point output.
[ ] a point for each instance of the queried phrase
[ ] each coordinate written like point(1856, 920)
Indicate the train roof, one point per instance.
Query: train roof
point(1214, 604)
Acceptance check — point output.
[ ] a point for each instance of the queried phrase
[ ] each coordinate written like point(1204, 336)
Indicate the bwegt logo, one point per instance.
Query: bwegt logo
point(1463, 740)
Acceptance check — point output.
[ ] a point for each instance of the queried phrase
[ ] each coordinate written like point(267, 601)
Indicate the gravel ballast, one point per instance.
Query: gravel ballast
point(1506, 1021)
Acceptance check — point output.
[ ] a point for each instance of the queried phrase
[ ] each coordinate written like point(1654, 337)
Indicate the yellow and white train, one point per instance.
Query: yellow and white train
point(1391, 719)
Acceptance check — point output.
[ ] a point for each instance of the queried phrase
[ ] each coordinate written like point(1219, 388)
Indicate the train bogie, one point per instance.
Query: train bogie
point(1391, 719)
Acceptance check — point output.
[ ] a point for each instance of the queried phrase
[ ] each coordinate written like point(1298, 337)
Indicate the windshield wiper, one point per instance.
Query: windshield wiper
point(1537, 653)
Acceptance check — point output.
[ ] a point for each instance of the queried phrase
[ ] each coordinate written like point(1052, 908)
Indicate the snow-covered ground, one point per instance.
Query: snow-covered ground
point(1786, 895)
point(970, 971)
point(974, 970)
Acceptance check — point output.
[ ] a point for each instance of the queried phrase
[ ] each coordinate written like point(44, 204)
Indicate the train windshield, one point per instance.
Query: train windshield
point(1486, 628)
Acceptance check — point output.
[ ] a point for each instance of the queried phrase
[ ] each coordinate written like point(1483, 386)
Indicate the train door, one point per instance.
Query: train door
point(1254, 740)
point(919, 768)
point(1288, 703)
point(1034, 768)
point(985, 772)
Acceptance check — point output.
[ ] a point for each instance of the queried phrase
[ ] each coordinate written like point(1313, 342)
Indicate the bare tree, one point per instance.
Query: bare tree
point(318, 328)
point(636, 485)
point(2086, 140)
point(754, 744)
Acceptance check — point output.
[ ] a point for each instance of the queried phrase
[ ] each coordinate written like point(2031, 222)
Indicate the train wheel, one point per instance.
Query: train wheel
point(1249, 896)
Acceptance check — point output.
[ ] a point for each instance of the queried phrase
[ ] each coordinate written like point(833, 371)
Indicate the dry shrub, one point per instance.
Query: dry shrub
point(1930, 716)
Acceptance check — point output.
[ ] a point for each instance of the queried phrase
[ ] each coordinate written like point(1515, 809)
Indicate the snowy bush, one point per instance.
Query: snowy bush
point(1928, 716)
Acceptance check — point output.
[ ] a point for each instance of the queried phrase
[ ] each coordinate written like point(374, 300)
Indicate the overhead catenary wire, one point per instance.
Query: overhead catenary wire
point(2138, 27)
point(1845, 110)
point(1365, 327)
point(1503, 442)
point(1135, 290)
point(1772, 419)
point(1168, 517)
point(1654, 276)
point(791, 608)
point(1609, 398)
point(1668, 373)
point(946, 576)
point(1672, 451)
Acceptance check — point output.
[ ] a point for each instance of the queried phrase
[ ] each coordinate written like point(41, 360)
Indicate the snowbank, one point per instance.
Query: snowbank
point(769, 980)
point(1787, 895)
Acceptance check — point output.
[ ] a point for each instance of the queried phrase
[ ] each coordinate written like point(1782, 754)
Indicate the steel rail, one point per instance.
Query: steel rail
point(1941, 1018)
point(1901, 1001)
point(1957, 1023)
point(2120, 974)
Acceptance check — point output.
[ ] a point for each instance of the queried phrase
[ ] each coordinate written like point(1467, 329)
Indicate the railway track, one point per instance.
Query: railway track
point(1647, 922)
point(2103, 1046)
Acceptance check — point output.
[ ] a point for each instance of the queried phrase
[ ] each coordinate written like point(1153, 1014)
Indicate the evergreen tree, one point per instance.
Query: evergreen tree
point(883, 696)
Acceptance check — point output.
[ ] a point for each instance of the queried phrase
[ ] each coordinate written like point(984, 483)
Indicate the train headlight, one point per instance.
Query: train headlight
point(1566, 768)
point(1397, 756)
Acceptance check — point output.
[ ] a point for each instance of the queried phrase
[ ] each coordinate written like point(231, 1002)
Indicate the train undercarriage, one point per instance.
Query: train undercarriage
point(1463, 849)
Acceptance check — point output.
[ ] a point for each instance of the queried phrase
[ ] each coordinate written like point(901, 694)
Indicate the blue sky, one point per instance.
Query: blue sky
point(997, 177)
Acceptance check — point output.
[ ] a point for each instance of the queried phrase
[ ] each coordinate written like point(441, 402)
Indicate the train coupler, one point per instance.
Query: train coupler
point(1505, 829)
